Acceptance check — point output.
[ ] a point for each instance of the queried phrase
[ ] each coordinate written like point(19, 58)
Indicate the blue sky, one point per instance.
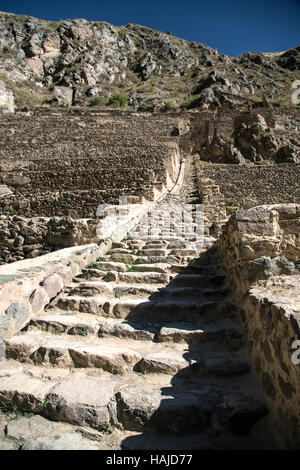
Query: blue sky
point(232, 26)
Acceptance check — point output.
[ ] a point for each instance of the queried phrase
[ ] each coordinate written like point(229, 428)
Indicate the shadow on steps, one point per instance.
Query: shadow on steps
point(212, 402)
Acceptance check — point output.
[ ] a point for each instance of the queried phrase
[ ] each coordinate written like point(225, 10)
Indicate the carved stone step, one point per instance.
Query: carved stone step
point(185, 412)
point(58, 323)
point(138, 277)
point(166, 310)
point(197, 280)
point(112, 290)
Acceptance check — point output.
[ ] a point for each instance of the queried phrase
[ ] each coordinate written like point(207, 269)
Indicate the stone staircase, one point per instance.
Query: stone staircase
point(147, 340)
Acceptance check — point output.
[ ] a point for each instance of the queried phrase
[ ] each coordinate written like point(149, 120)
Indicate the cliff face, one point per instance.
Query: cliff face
point(103, 65)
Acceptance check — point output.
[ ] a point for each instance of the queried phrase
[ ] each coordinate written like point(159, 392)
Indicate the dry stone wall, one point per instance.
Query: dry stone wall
point(260, 249)
point(22, 238)
point(56, 161)
point(212, 200)
point(29, 285)
point(248, 186)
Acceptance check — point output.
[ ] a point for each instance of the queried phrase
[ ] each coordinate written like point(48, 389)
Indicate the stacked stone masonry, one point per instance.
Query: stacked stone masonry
point(60, 161)
point(260, 251)
point(249, 186)
point(145, 342)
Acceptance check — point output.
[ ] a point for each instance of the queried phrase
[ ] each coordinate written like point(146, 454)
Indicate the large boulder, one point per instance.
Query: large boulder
point(63, 94)
point(219, 150)
point(254, 138)
point(288, 154)
point(7, 101)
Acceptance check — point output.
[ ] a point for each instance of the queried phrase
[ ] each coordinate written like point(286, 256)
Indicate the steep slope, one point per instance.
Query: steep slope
point(150, 69)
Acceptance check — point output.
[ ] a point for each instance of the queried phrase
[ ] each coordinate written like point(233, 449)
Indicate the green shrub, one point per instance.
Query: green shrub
point(255, 129)
point(91, 265)
point(228, 139)
point(170, 105)
point(7, 50)
point(118, 100)
point(98, 101)
point(231, 210)
point(190, 103)
point(122, 34)
point(24, 97)
point(61, 104)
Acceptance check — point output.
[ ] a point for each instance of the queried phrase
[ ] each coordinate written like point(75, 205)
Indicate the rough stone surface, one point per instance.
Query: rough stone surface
point(67, 441)
point(260, 250)
point(7, 101)
point(81, 401)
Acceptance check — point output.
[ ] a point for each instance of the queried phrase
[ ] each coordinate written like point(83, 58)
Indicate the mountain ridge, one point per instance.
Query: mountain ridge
point(132, 65)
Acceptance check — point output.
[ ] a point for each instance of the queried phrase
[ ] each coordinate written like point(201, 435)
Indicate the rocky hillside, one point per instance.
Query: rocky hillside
point(96, 64)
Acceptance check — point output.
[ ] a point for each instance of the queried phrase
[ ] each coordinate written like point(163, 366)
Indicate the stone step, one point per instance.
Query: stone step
point(112, 290)
point(179, 244)
point(119, 245)
point(110, 355)
point(122, 257)
point(183, 252)
point(156, 243)
point(72, 398)
point(116, 356)
point(197, 280)
point(90, 288)
point(91, 273)
point(192, 332)
point(152, 252)
point(154, 246)
point(128, 329)
point(45, 349)
point(163, 279)
point(192, 364)
point(185, 412)
point(138, 278)
point(154, 267)
point(154, 260)
point(58, 323)
point(196, 268)
point(119, 251)
point(166, 310)
point(110, 266)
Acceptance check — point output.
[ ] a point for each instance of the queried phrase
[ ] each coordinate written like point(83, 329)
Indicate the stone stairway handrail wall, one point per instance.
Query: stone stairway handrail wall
point(27, 286)
point(260, 251)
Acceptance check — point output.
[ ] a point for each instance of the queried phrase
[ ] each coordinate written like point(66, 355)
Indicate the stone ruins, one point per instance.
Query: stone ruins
point(120, 328)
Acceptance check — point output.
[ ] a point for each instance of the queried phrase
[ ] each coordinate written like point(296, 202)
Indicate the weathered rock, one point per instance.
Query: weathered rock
point(52, 285)
point(63, 94)
point(19, 313)
point(81, 400)
point(29, 428)
point(66, 441)
point(24, 392)
point(288, 154)
point(7, 102)
point(5, 444)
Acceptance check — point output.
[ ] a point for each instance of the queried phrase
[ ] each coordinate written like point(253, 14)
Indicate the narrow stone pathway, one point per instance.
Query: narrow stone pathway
point(147, 345)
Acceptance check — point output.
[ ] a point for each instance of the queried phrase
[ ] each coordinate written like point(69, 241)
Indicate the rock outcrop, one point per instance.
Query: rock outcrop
point(7, 101)
point(153, 69)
